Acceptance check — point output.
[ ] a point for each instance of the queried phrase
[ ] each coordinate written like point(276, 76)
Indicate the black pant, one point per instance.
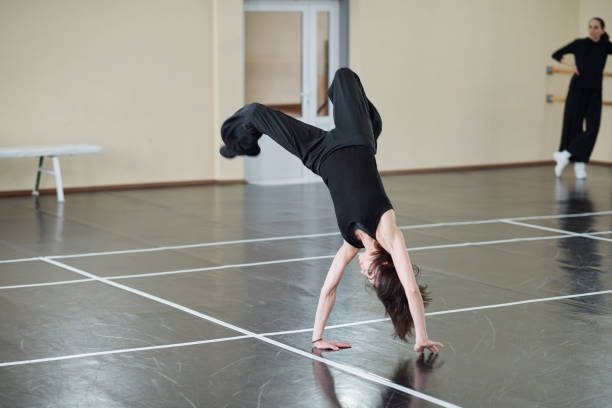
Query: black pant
point(357, 123)
point(582, 105)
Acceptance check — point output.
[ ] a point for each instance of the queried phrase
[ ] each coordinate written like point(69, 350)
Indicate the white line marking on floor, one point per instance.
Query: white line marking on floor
point(540, 227)
point(478, 243)
point(279, 261)
point(548, 217)
point(597, 238)
point(520, 302)
point(210, 268)
point(263, 337)
point(575, 234)
point(119, 351)
point(329, 327)
point(20, 260)
point(213, 268)
point(451, 311)
point(33, 285)
point(346, 368)
point(289, 237)
point(599, 233)
point(187, 246)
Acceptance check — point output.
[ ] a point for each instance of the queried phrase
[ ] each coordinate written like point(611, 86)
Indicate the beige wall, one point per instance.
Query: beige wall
point(457, 83)
point(133, 76)
point(228, 82)
point(464, 82)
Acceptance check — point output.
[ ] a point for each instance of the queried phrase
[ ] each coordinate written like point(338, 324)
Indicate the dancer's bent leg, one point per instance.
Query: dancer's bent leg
point(353, 111)
point(243, 129)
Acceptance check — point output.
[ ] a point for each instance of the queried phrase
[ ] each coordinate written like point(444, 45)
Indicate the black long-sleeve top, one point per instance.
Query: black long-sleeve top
point(590, 59)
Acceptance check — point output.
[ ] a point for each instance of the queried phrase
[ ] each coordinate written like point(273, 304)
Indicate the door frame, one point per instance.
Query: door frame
point(309, 10)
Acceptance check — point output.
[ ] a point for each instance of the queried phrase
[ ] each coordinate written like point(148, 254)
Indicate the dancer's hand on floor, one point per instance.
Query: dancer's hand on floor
point(330, 345)
point(432, 346)
point(427, 362)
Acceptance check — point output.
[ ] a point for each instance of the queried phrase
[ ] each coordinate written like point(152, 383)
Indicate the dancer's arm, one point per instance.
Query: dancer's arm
point(328, 296)
point(391, 239)
point(568, 49)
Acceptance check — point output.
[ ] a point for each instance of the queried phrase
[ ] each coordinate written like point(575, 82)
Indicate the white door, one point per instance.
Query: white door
point(291, 54)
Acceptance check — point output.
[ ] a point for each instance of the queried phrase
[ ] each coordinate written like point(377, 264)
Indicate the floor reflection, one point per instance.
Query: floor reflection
point(45, 229)
point(580, 258)
point(411, 373)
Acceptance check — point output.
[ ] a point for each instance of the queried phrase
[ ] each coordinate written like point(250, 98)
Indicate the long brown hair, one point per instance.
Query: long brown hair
point(391, 292)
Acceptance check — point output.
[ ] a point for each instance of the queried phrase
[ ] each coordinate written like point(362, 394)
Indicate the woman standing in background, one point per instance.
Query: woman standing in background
point(583, 101)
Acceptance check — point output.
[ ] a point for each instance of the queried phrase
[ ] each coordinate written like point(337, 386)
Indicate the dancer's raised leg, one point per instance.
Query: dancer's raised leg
point(243, 129)
point(353, 111)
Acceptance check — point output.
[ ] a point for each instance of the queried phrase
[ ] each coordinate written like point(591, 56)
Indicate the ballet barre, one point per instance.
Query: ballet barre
point(552, 70)
point(550, 98)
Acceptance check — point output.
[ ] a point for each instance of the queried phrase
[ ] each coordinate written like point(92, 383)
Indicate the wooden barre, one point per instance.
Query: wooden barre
point(552, 70)
point(551, 98)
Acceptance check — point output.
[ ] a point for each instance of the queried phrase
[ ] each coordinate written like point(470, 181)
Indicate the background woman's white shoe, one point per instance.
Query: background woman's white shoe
point(562, 159)
point(580, 170)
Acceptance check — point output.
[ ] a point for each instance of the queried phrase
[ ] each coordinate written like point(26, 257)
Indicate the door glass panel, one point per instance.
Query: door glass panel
point(322, 62)
point(273, 60)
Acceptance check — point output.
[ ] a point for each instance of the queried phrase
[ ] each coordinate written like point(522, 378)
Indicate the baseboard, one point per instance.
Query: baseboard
point(115, 187)
point(483, 167)
point(600, 163)
point(467, 168)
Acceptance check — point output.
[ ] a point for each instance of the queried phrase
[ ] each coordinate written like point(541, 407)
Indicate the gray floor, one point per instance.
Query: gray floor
point(205, 296)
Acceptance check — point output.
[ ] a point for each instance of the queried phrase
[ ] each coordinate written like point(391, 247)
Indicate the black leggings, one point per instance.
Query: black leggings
point(357, 123)
point(582, 105)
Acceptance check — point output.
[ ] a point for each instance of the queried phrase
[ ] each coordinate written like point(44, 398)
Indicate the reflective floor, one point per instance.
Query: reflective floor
point(205, 297)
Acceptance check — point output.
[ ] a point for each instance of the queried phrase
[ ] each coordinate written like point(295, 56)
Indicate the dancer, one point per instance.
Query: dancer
point(583, 102)
point(344, 158)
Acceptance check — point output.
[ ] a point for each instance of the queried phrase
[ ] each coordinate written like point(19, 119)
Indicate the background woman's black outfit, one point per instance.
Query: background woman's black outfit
point(583, 103)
